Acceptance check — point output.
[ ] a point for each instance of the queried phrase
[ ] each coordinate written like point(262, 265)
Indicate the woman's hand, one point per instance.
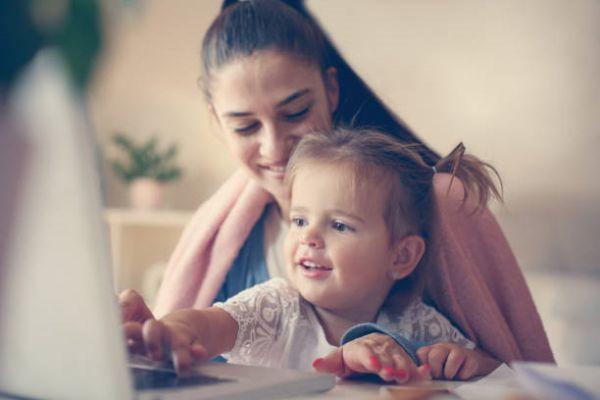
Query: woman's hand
point(374, 353)
point(449, 361)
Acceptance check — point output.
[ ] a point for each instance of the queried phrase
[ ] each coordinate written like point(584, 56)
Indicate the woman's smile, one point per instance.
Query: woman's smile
point(275, 170)
point(264, 104)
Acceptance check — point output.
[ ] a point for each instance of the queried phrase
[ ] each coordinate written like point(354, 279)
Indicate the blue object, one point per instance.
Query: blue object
point(249, 267)
point(360, 330)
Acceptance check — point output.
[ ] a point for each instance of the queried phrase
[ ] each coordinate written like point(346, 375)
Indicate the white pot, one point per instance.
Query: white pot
point(146, 194)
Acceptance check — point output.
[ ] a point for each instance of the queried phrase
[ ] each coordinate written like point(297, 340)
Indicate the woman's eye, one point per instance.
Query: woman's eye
point(340, 226)
point(297, 115)
point(245, 130)
point(298, 221)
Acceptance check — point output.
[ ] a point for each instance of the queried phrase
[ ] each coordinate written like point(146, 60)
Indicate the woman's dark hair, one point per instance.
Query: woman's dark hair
point(244, 27)
point(398, 167)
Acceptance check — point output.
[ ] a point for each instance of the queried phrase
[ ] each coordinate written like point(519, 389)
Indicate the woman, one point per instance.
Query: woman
point(271, 76)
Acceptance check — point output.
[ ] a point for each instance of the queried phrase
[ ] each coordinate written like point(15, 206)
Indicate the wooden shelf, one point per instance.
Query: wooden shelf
point(139, 240)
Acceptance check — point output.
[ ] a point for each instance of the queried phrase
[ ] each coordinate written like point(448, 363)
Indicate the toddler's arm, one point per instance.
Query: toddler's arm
point(374, 353)
point(187, 336)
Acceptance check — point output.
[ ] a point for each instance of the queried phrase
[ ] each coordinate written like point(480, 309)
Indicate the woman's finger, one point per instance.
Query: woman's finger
point(454, 361)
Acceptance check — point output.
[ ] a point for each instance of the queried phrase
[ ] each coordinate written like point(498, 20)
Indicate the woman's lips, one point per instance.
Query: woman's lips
point(275, 170)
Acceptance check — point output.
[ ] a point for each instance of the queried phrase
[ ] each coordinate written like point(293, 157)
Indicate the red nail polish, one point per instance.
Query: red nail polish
point(401, 373)
point(426, 367)
point(317, 362)
point(389, 370)
point(375, 362)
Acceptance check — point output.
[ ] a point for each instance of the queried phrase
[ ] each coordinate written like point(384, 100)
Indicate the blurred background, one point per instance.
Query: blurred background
point(516, 81)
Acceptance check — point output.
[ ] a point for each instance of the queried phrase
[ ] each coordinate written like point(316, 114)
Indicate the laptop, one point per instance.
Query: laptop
point(60, 330)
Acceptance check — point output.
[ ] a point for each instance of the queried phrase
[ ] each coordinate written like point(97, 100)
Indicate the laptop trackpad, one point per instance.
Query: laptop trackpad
point(149, 379)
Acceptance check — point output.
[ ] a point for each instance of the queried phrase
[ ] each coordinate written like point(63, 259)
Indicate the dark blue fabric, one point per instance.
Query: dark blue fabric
point(249, 267)
point(360, 330)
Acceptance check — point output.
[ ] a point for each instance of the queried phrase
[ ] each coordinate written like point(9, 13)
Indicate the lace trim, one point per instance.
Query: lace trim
point(423, 323)
point(262, 314)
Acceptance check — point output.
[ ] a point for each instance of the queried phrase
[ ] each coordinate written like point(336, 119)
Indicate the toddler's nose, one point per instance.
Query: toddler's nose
point(312, 240)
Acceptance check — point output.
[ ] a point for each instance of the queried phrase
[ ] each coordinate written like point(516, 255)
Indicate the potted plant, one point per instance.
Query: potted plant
point(146, 170)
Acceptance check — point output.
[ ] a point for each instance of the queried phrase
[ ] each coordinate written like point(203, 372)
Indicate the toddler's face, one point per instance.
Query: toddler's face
point(337, 250)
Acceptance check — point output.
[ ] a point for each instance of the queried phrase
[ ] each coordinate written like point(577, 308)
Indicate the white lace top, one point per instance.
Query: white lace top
point(277, 328)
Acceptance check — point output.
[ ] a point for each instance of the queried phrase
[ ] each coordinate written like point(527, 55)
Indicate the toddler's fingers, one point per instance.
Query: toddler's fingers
point(133, 337)
point(387, 372)
point(404, 369)
point(437, 356)
point(361, 358)
point(154, 334)
point(469, 368)
point(423, 354)
point(424, 372)
point(133, 307)
point(199, 351)
point(454, 361)
point(332, 363)
point(182, 358)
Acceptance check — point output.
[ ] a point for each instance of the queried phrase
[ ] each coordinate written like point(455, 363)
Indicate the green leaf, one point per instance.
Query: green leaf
point(145, 160)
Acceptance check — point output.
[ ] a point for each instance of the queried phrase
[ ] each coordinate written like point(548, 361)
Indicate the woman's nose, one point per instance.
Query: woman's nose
point(277, 144)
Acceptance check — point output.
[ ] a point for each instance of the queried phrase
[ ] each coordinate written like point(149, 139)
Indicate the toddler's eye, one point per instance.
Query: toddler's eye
point(299, 221)
point(340, 226)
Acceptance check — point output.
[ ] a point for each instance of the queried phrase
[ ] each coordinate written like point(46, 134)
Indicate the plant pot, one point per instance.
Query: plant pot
point(146, 194)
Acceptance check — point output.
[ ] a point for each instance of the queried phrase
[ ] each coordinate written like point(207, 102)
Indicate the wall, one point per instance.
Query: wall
point(515, 81)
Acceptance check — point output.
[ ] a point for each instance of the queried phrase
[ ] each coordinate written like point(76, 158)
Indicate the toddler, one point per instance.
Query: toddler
point(360, 212)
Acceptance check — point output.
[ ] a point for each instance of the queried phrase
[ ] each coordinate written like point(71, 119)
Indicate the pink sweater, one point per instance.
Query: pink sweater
point(476, 281)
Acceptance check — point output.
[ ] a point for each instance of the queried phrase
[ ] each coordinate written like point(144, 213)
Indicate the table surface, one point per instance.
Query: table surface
point(351, 389)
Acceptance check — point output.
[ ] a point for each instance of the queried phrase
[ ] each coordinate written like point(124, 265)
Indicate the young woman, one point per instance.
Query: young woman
point(271, 76)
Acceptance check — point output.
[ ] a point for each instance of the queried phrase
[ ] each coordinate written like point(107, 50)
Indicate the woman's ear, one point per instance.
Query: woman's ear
point(332, 88)
point(407, 254)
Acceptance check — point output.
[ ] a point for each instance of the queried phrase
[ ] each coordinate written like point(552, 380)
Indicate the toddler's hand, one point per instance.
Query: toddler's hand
point(172, 338)
point(375, 353)
point(134, 312)
point(450, 361)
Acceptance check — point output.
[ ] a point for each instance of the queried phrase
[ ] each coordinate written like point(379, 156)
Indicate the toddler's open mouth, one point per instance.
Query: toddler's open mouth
point(312, 270)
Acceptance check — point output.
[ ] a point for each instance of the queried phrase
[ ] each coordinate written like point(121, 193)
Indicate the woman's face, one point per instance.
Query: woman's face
point(264, 104)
